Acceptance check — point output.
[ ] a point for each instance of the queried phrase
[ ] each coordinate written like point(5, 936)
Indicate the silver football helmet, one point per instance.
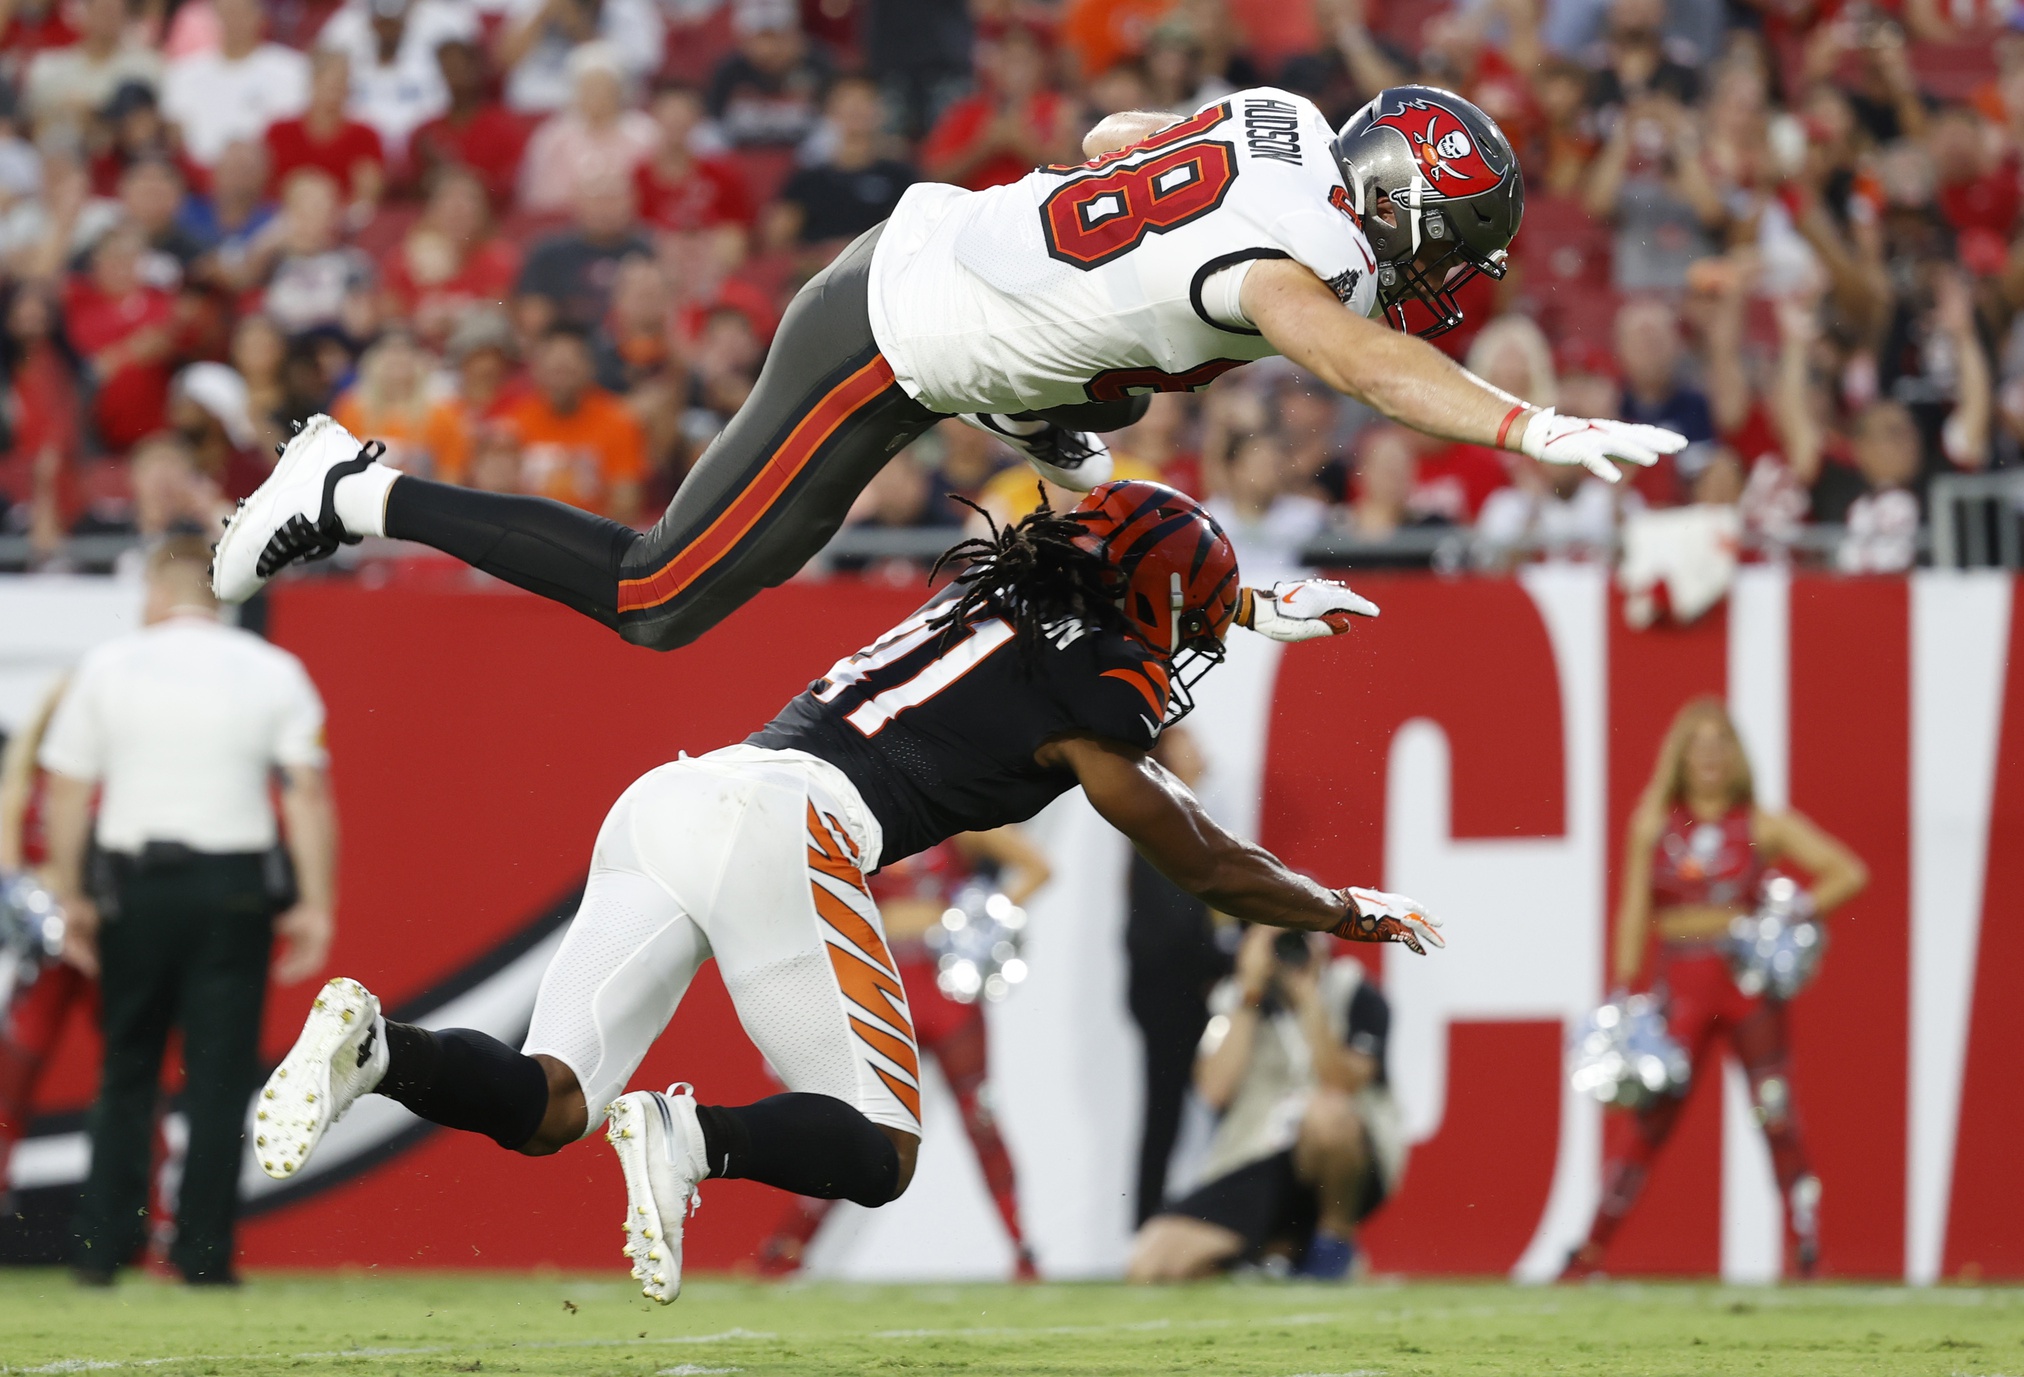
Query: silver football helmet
point(1434, 184)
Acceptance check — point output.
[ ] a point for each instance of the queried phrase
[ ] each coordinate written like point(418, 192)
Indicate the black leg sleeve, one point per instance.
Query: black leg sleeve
point(808, 1144)
point(550, 548)
point(464, 1079)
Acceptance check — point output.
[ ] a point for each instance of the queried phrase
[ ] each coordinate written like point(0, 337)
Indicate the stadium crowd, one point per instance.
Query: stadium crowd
point(541, 245)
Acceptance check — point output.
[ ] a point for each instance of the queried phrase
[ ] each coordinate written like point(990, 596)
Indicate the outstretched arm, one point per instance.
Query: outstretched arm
point(1414, 383)
point(1170, 828)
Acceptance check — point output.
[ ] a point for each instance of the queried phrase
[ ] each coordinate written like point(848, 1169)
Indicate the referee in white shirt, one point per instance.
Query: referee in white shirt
point(181, 725)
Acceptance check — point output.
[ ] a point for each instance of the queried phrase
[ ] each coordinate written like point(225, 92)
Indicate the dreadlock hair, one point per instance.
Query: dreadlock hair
point(1032, 571)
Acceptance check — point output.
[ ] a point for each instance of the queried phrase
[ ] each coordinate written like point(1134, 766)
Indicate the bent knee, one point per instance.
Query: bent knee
point(567, 1117)
point(661, 633)
point(1331, 1121)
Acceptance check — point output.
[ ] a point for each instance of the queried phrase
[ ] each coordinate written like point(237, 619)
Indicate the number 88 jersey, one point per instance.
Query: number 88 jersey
point(1116, 276)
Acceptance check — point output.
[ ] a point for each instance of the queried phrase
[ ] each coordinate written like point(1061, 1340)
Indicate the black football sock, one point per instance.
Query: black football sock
point(808, 1144)
point(464, 1079)
point(558, 551)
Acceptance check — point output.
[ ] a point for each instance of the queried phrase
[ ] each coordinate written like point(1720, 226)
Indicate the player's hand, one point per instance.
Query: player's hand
point(1555, 439)
point(1302, 610)
point(1375, 916)
point(307, 930)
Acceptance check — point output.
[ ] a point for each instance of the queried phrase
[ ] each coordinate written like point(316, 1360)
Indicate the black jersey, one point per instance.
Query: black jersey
point(938, 731)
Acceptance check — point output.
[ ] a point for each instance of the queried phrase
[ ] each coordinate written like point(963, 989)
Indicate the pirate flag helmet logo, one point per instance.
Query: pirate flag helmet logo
point(1437, 191)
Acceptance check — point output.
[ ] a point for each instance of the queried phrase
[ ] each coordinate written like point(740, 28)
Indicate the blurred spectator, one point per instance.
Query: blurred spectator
point(391, 45)
point(856, 187)
point(129, 130)
point(1101, 34)
point(309, 274)
point(596, 139)
point(480, 353)
point(1883, 518)
point(632, 344)
point(1652, 353)
point(390, 402)
point(1268, 525)
point(1387, 473)
point(258, 349)
point(208, 410)
point(228, 219)
point(920, 52)
point(579, 443)
point(475, 131)
point(1014, 123)
point(539, 35)
point(1559, 511)
point(768, 91)
point(1309, 414)
point(1651, 182)
point(450, 260)
point(171, 490)
point(30, 26)
point(123, 327)
point(41, 399)
point(231, 94)
point(897, 496)
point(495, 460)
point(567, 278)
point(680, 188)
point(151, 200)
point(65, 85)
point(326, 139)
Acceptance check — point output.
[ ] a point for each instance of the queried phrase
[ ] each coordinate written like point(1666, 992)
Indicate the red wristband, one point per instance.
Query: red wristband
point(1513, 414)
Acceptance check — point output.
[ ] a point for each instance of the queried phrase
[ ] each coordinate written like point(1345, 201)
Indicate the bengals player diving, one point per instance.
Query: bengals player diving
point(1044, 311)
point(1055, 660)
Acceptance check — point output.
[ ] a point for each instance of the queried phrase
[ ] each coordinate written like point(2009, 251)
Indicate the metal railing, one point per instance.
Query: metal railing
point(1448, 549)
point(1973, 520)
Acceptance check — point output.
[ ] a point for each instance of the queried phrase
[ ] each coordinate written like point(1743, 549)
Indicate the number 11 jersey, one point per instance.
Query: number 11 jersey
point(1116, 276)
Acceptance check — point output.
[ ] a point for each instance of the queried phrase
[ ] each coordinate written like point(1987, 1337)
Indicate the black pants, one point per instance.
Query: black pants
point(822, 420)
point(1173, 961)
point(188, 950)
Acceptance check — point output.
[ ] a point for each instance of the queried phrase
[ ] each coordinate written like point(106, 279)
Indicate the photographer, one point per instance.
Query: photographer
point(1309, 1142)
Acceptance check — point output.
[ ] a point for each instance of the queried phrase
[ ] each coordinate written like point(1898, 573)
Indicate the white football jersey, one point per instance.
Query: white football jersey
point(1116, 276)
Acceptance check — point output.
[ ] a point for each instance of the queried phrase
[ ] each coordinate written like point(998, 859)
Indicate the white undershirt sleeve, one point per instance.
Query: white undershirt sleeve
point(1222, 296)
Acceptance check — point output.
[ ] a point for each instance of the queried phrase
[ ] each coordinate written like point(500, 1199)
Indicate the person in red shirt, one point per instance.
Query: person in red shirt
point(323, 138)
point(451, 260)
point(125, 331)
point(475, 132)
point(680, 191)
point(1011, 126)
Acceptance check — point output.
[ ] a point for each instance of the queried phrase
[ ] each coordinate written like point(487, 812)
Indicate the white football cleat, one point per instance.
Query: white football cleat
point(293, 514)
point(1074, 459)
point(660, 1150)
point(341, 1055)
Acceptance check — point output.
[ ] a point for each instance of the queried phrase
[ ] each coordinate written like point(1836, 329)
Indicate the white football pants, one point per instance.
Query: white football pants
point(756, 857)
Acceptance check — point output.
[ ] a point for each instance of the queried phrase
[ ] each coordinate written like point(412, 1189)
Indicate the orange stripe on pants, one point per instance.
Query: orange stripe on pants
point(721, 536)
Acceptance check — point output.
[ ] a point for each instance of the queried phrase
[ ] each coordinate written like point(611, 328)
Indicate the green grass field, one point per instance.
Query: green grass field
point(408, 1324)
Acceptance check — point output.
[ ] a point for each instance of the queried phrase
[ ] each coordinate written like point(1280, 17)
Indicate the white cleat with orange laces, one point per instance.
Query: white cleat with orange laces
point(660, 1149)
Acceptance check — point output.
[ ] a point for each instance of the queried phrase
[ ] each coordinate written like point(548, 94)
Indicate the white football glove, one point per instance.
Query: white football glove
point(1375, 916)
point(1555, 439)
point(1302, 610)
